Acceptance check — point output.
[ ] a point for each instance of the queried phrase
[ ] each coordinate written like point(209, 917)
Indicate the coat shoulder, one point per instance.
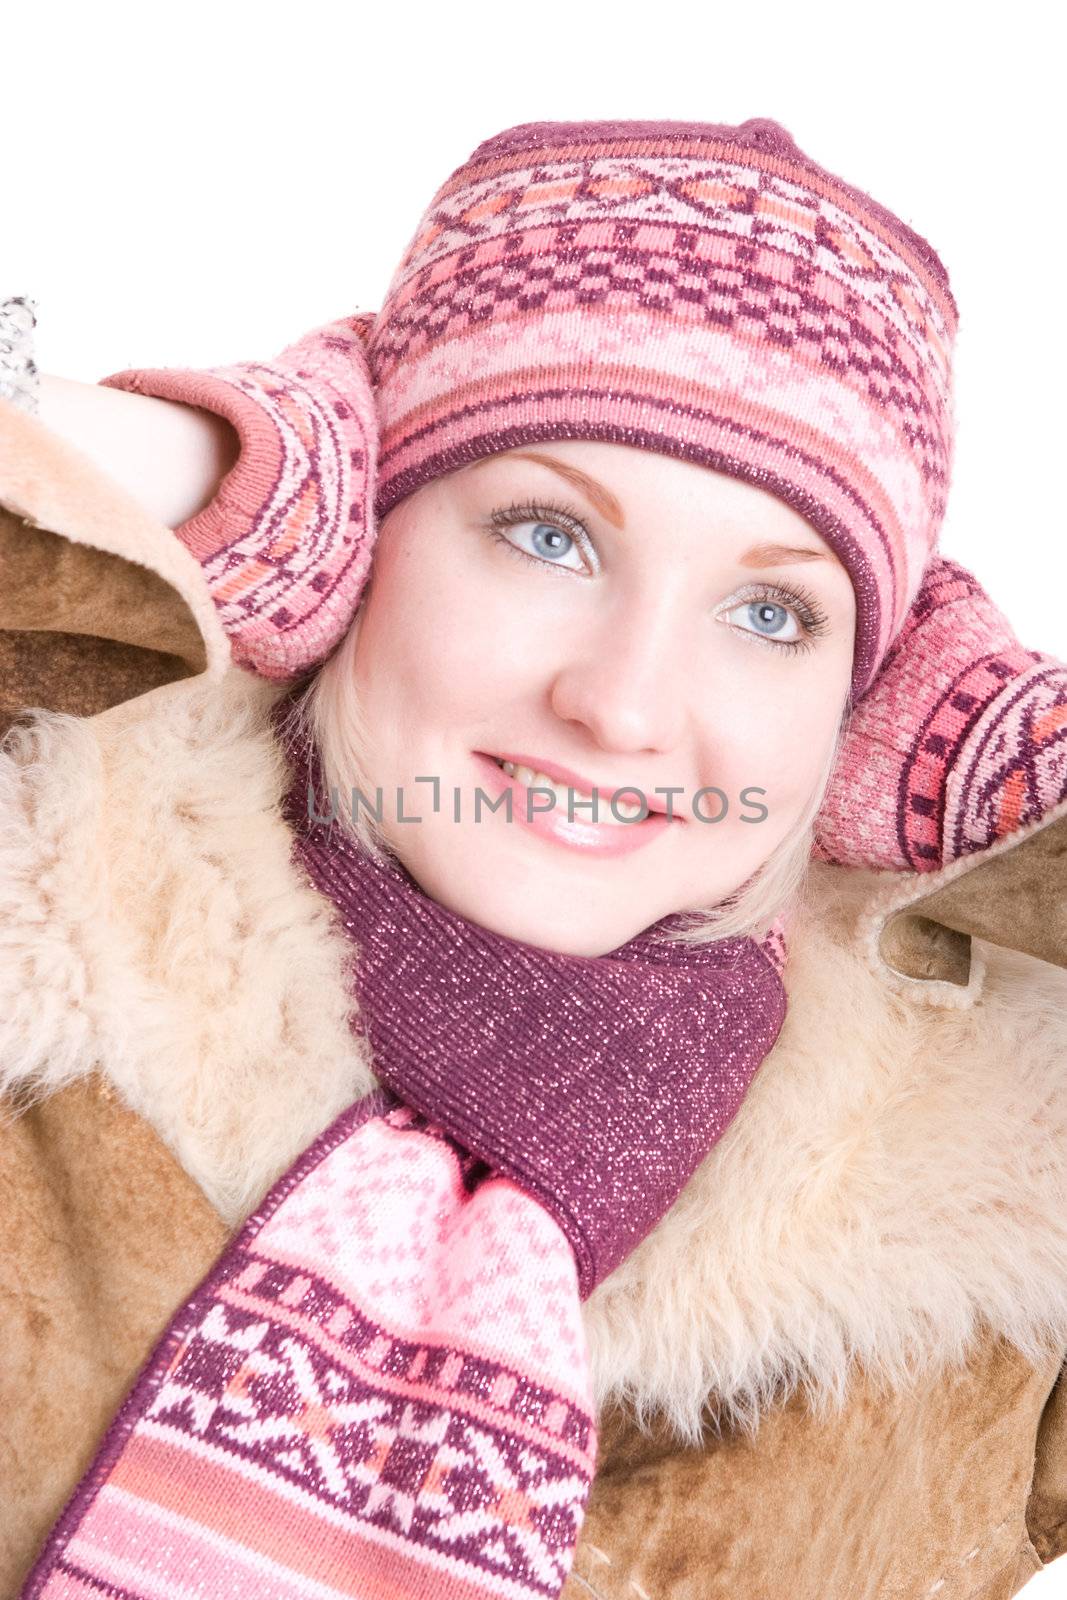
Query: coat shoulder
point(159, 932)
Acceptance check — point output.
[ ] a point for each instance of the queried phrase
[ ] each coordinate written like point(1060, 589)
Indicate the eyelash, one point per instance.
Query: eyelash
point(804, 605)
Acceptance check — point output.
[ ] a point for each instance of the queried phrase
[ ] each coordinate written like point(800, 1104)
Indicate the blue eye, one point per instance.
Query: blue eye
point(556, 535)
point(559, 535)
point(807, 621)
point(769, 627)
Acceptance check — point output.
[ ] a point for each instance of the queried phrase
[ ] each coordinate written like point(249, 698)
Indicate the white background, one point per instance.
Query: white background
point(203, 184)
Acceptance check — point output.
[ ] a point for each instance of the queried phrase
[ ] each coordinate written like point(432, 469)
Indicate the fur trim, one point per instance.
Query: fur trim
point(895, 1179)
point(158, 930)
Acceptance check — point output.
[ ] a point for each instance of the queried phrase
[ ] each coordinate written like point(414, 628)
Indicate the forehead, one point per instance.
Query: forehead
point(617, 479)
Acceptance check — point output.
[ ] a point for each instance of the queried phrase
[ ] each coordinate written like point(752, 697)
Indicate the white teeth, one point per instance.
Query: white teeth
point(531, 778)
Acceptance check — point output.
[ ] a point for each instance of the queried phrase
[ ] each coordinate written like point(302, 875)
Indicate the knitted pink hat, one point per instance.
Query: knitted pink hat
point(697, 289)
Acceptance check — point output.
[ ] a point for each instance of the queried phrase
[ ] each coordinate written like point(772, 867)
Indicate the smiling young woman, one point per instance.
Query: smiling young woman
point(739, 367)
point(616, 643)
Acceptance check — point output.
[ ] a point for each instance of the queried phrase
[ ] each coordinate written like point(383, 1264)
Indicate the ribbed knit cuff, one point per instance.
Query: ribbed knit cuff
point(285, 544)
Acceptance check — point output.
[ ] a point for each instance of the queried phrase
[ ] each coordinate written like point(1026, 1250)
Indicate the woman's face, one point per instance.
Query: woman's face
point(629, 624)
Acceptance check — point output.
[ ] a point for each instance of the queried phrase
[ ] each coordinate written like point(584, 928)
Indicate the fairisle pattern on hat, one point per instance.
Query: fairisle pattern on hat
point(702, 290)
point(697, 289)
point(381, 1388)
point(286, 542)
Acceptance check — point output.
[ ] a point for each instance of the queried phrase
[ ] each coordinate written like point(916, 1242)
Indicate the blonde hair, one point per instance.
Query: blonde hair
point(330, 713)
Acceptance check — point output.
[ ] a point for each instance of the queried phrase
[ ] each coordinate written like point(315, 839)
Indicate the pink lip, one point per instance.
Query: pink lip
point(573, 779)
point(594, 838)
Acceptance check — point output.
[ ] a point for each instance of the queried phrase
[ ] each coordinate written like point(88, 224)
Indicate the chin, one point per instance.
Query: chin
point(553, 935)
point(553, 927)
point(567, 934)
point(572, 941)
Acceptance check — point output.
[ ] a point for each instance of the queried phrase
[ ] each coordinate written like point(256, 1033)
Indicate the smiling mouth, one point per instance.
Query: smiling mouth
point(536, 777)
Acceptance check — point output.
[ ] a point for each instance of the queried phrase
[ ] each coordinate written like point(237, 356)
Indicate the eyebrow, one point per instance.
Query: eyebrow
point(595, 492)
point(767, 554)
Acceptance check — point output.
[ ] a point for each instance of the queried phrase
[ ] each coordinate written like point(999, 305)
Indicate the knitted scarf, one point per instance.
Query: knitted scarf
point(381, 1389)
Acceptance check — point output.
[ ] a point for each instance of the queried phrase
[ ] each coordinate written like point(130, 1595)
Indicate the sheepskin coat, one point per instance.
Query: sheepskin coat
point(834, 1371)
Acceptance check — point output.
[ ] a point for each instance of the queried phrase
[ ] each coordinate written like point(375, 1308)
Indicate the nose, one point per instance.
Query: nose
point(625, 685)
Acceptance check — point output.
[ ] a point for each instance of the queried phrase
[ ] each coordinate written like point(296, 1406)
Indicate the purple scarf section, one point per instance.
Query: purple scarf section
point(598, 1083)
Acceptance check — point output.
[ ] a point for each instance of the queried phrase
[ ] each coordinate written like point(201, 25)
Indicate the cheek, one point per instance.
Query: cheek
point(435, 645)
point(776, 735)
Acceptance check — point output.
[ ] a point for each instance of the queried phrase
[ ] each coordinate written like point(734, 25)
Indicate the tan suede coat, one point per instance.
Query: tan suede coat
point(836, 1369)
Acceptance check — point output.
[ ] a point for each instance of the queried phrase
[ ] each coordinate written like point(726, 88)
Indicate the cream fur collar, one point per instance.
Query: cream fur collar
point(896, 1178)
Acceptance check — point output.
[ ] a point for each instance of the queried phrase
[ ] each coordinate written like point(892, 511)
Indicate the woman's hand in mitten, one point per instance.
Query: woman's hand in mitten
point(285, 544)
point(960, 740)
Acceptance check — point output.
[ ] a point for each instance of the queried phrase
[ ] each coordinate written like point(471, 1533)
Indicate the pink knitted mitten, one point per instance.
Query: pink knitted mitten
point(286, 542)
point(961, 739)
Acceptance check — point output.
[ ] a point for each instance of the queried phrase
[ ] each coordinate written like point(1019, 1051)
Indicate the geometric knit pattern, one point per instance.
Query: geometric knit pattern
point(962, 740)
point(698, 289)
point(774, 943)
point(285, 544)
point(380, 1390)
